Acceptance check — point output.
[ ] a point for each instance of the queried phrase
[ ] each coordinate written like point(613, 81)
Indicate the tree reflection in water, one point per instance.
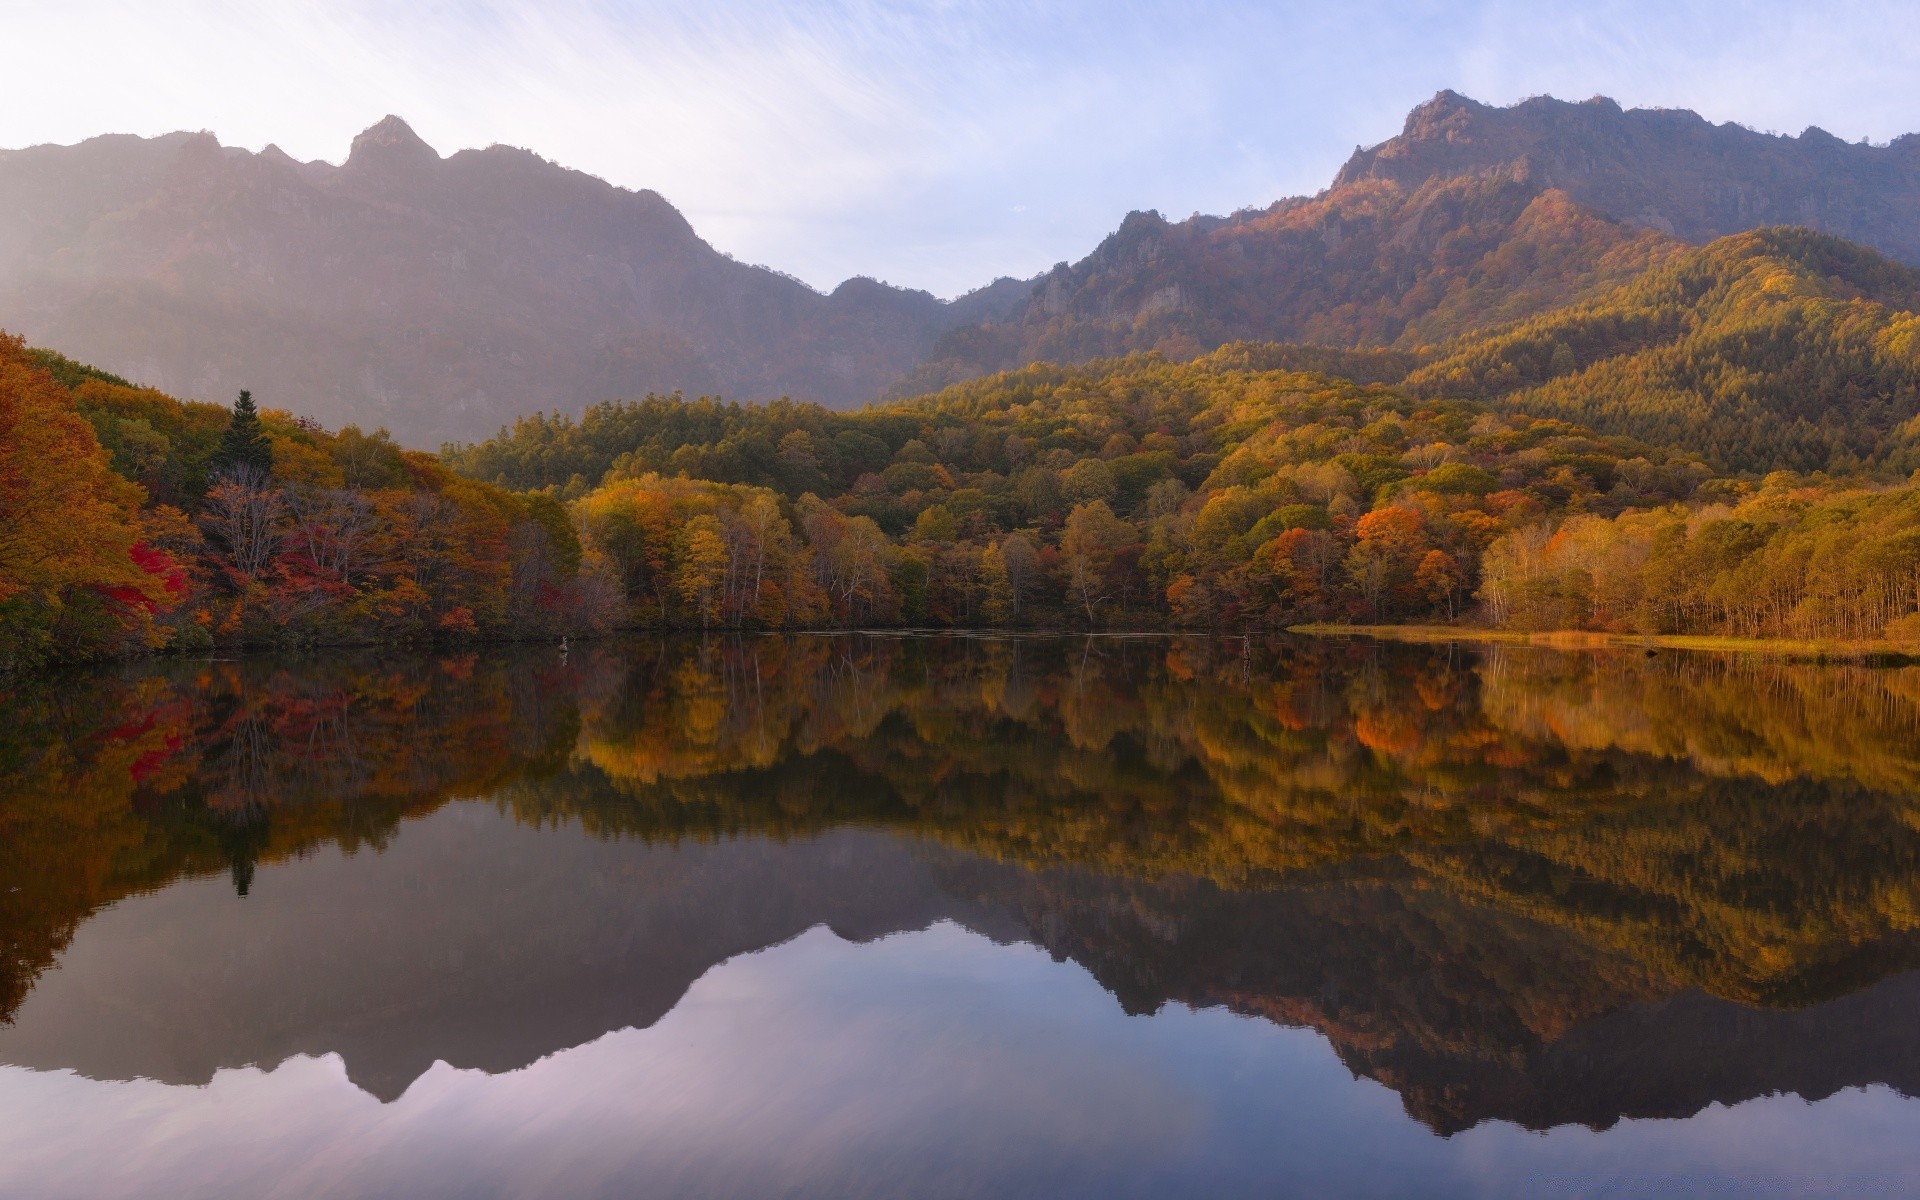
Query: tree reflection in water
point(1530, 884)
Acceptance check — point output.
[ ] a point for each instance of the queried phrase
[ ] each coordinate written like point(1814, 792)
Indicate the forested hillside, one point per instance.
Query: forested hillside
point(1133, 491)
point(1777, 349)
point(1136, 492)
point(135, 522)
point(1231, 493)
point(1222, 494)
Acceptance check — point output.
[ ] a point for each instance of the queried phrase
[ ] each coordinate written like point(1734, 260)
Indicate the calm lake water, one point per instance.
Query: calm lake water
point(887, 916)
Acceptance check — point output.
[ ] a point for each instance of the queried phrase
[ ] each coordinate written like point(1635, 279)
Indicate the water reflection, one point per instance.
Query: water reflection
point(1545, 888)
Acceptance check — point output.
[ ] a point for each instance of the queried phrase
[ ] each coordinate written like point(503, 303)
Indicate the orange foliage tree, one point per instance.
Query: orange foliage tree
point(73, 570)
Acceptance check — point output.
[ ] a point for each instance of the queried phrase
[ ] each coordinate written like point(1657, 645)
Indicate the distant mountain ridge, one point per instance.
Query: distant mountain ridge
point(436, 296)
point(442, 297)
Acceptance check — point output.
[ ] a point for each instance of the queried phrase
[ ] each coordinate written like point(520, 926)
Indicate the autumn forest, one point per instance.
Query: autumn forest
point(1720, 445)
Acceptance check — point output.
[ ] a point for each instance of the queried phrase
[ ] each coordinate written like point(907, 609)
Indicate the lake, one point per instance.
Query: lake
point(866, 915)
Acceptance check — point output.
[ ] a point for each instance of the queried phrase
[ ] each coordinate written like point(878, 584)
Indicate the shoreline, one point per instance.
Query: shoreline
point(1821, 649)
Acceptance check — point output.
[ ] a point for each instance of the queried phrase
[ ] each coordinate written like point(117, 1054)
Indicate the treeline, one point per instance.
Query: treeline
point(1135, 492)
point(134, 522)
point(1788, 561)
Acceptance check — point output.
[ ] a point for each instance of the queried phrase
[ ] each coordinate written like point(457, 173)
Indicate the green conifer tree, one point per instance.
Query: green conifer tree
point(244, 445)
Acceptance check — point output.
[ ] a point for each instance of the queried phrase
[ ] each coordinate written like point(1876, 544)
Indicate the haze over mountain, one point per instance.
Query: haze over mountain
point(435, 296)
point(441, 297)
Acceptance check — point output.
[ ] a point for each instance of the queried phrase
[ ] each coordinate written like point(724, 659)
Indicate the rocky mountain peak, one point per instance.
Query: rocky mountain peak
point(1448, 111)
point(390, 141)
point(1665, 169)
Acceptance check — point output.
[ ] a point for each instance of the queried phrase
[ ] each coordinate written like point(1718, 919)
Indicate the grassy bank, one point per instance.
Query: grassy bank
point(1576, 639)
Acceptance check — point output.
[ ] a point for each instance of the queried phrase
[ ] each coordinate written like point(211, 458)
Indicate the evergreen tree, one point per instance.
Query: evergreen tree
point(244, 445)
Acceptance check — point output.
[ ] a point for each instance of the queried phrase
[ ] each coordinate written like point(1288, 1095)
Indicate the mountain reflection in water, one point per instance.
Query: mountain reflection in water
point(1532, 886)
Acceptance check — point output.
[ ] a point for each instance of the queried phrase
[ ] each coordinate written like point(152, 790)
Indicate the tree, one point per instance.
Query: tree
point(700, 567)
point(244, 444)
point(71, 563)
point(1439, 579)
point(242, 513)
point(1383, 561)
point(332, 530)
point(1023, 567)
point(935, 524)
point(630, 522)
point(999, 604)
point(1293, 575)
point(369, 460)
point(1191, 601)
point(764, 539)
point(851, 558)
point(1088, 480)
point(1091, 543)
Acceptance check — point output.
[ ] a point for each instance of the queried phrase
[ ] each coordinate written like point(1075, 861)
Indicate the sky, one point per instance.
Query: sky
point(938, 144)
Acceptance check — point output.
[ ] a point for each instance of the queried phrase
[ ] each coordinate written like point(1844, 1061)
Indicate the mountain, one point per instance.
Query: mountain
point(442, 297)
point(1472, 217)
point(1367, 264)
point(438, 297)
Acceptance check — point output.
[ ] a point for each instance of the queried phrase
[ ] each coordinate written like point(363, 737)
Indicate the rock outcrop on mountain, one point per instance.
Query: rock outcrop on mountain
point(439, 297)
